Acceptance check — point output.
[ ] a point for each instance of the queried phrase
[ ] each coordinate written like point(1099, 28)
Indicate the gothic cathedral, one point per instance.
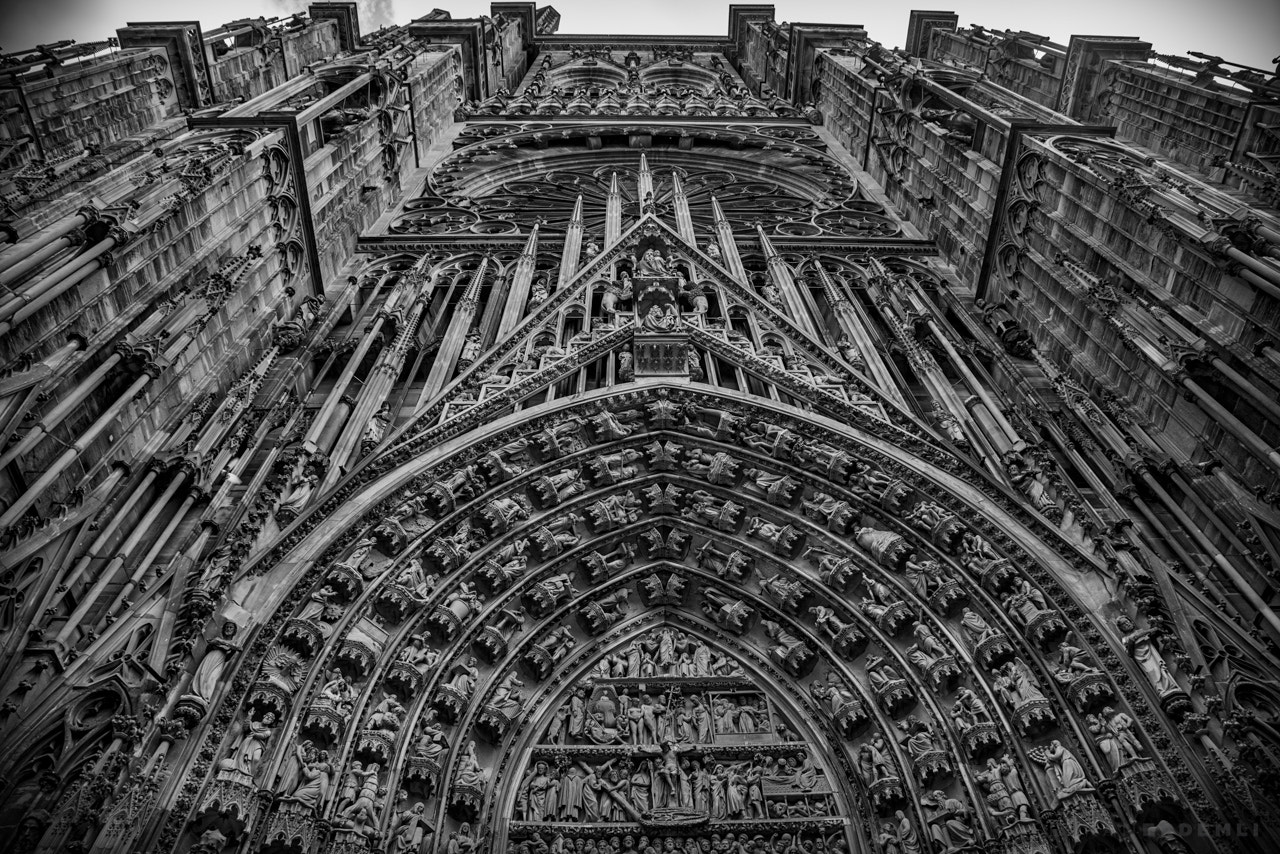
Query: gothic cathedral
point(467, 438)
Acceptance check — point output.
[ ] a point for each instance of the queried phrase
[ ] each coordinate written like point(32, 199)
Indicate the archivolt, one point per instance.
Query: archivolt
point(814, 511)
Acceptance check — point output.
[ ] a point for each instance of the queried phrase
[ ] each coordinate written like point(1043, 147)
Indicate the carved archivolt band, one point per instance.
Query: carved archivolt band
point(894, 617)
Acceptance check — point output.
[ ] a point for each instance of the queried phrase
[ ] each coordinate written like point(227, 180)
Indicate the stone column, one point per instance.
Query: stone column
point(780, 272)
point(853, 324)
point(644, 186)
point(459, 326)
point(572, 247)
point(728, 246)
point(684, 219)
point(35, 250)
point(521, 279)
point(613, 213)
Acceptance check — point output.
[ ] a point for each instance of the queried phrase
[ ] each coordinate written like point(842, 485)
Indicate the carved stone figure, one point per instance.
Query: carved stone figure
point(247, 751)
point(1065, 771)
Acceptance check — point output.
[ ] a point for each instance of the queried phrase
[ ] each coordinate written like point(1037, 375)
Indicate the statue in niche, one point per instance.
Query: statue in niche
point(506, 564)
point(726, 611)
point(875, 485)
point(1005, 794)
point(661, 317)
point(882, 603)
point(558, 643)
point(713, 251)
point(470, 772)
point(823, 458)
point(788, 650)
point(626, 366)
point(1026, 603)
point(538, 795)
point(592, 250)
point(1065, 771)
point(461, 841)
point(873, 761)
point(1142, 647)
point(705, 507)
point(502, 514)
point(208, 675)
point(364, 809)
point(786, 592)
point(969, 710)
point(247, 751)
point(377, 427)
point(416, 581)
point(298, 496)
point(320, 608)
point(459, 605)
point(616, 467)
point(432, 743)
point(358, 557)
point(506, 462)
point(555, 536)
point(1113, 732)
point(834, 513)
point(717, 467)
point(460, 485)
point(295, 760)
point(980, 558)
point(549, 591)
point(695, 294)
point(782, 538)
point(616, 293)
point(409, 831)
point(1017, 684)
point(350, 786)
point(949, 822)
point(602, 566)
point(834, 570)
point(976, 630)
point(387, 715)
point(604, 612)
point(561, 486)
point(337, 692)
point(717, 424)
point(506, 698)
point(315, 777)
point(1073, 663)
point(924, 576)
point(836, 697)
point(770, 439)
point(609, 425)
point(849, 351)
point(539, 292)
point(464, 676)
point(615, 511)
point(653, 264)
point(772, 295)
point(919, 737)
point(776, 488)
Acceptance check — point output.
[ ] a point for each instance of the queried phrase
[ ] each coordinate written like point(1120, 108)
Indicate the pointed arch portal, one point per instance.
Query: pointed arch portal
point(663, 610)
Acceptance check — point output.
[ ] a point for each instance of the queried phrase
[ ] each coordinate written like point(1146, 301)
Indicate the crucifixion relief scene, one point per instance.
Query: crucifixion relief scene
point(460, 437)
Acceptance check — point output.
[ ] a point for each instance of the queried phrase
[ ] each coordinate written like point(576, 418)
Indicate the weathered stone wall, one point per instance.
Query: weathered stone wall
point(246, 72)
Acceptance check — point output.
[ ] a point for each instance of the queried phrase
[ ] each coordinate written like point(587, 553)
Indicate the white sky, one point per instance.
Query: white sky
point(1246, 31)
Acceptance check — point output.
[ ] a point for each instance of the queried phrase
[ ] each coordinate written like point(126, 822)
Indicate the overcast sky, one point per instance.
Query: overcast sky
point(1246, 31)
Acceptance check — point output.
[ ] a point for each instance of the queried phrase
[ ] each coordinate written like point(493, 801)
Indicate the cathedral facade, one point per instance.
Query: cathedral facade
point(464, 437)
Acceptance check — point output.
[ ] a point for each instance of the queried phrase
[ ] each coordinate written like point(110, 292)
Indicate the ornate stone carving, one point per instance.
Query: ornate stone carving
point(733, 566)
point(784, 540)
point(598, 566)
point(894, 693)
point(886, 607)
point(600, 614)
point(1017, 688)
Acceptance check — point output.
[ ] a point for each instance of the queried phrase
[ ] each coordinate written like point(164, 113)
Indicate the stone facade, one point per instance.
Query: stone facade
point(465, 437)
